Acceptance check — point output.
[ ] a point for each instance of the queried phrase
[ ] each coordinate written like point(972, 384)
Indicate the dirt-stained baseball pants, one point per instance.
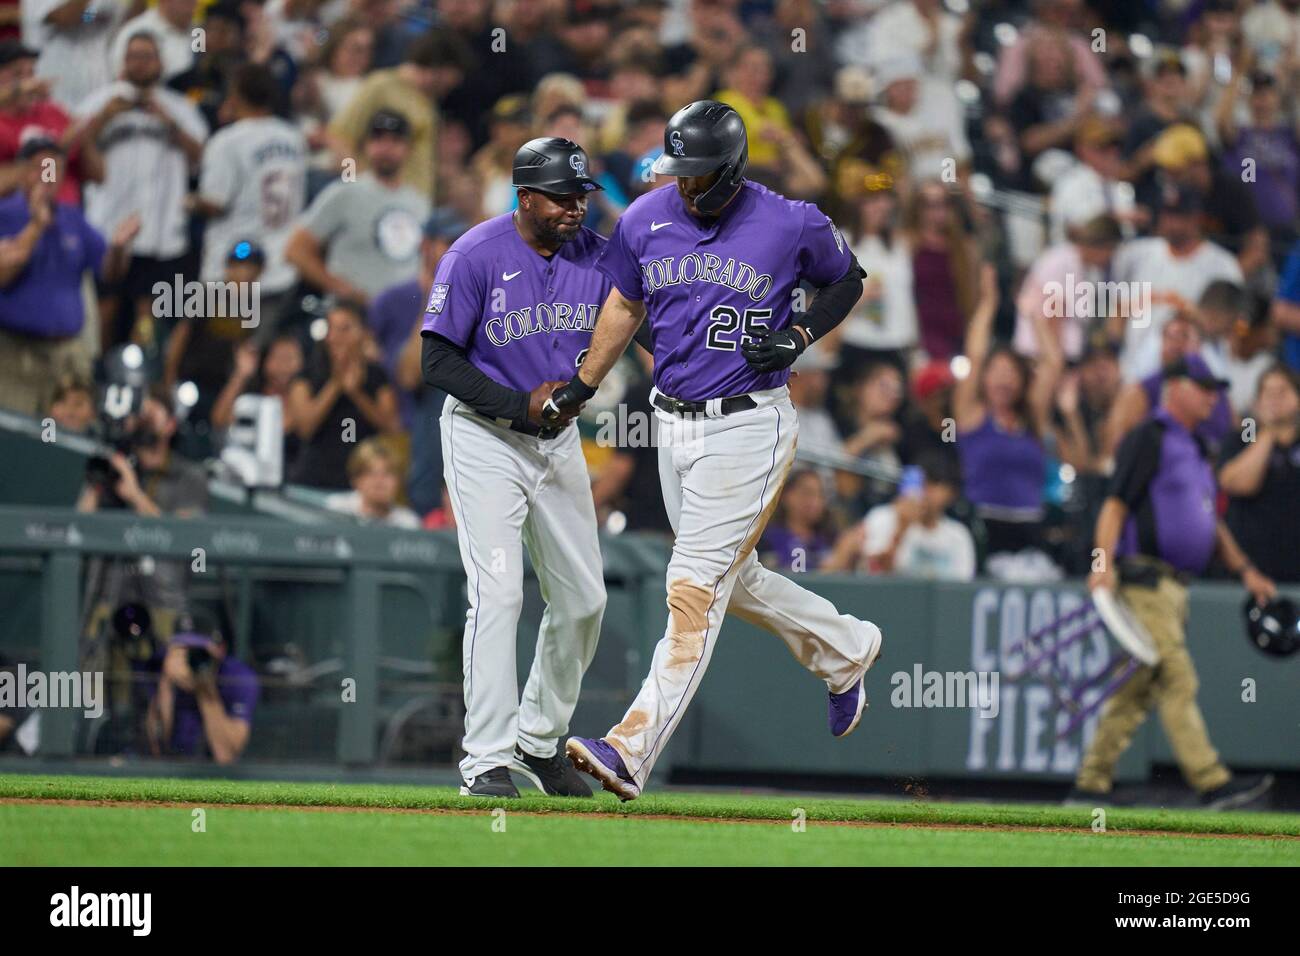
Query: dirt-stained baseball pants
point(721, 481)
point(1170, 686)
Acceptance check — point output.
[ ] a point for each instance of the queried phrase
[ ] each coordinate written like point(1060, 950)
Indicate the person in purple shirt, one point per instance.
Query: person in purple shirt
point(395, 321)
point(46, 247)
point(716, 265)
point(1157, 528)
point(204, 700)
point(508, 319)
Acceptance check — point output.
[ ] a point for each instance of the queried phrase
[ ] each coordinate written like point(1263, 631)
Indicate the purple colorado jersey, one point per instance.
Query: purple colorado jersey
point(706, 285)
point(521, 318)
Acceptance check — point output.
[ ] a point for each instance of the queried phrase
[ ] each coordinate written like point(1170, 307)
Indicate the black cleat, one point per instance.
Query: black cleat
point(554, 776)
point(490, 783)
point(1238, 792)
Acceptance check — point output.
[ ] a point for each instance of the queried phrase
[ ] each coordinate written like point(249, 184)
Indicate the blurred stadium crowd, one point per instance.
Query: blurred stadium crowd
point(1052, 200)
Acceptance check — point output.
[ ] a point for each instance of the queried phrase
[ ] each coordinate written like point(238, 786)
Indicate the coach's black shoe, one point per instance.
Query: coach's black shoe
point(554, 776)
point(490, 783)
point(1239, 792)
point(1088, 799)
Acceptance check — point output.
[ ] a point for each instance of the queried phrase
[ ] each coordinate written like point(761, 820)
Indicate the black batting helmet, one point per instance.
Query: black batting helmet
point(703, 137)
point(1273, 628)
point(553, 165)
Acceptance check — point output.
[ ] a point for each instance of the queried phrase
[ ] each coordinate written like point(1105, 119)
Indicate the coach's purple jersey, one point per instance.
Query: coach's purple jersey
point(706, 283)
point(521, 318)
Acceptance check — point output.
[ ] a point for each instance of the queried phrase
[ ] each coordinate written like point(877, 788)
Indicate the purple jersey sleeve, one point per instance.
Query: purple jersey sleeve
point(456, 300)
point(620, 264)
point(823, 256)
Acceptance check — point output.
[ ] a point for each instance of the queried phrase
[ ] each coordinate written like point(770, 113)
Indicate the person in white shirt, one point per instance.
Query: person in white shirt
point(1093, 187)
point(252, 183)
point(923, 118)
point(172, 23)
point(884, 320)
point(73, 37)
point(1174, 268)
point(911, 535)
point(375, 475)
point(921, 27)
point(150, 138)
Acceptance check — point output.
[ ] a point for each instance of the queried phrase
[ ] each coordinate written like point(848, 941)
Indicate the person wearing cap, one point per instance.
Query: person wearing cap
point(1094, 186)
point(1172, 269)
point(26, 111)
point(1180, 336)
point(1158, 529)
point(252, 184)
point(359, 237)
point(922, 117)
point(201, 348)
point(883, 324)
point(1228, 213)
point(508, 319)
point(927, 415)
point(46, 247)
point(204, 710)
point(1166, 100)
point(395, 322)
point(407, 89)
point(509, 124)
point(1269, 142)
point(151, 138)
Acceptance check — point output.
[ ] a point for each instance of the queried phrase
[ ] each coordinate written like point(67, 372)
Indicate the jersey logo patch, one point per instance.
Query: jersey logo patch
point(839, 239)
point(437, 297)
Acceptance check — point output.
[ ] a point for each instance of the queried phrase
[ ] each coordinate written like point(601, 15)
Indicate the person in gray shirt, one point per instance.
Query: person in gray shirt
point(362, 235)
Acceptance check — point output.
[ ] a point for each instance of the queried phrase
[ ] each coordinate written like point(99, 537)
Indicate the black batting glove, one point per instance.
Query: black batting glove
point(773, 351)
point(567, 400)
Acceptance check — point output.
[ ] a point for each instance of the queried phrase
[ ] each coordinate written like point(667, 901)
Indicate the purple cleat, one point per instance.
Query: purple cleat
point(846, 709)
point(598, 758)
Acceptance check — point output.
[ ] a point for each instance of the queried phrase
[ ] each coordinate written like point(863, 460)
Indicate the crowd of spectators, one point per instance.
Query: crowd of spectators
point(1051, 198)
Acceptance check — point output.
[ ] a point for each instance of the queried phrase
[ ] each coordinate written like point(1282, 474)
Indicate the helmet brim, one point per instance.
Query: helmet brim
point(667, 165)
point(563, 187)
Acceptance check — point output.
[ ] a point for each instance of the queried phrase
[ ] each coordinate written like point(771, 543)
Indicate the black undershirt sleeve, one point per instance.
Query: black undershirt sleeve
point(1136, 462)
point(446, 367)
point(834, 302)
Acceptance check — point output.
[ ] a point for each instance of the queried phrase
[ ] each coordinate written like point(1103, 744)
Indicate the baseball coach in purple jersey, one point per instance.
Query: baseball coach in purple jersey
point(509, 317)
point(713, 262)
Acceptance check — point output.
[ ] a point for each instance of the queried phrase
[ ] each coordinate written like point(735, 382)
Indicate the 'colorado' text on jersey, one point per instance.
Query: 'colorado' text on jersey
point(707, 285)
point(521, 318)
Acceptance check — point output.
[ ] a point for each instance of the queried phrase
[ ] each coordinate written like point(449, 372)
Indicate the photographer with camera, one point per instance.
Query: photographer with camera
point(204, 700)
point(142, 474)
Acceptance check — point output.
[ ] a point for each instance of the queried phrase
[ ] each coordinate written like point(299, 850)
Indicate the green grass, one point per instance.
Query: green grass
point(547, 831)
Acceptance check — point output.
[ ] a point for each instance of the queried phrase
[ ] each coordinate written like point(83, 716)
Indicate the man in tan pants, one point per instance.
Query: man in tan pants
point(1158, 527)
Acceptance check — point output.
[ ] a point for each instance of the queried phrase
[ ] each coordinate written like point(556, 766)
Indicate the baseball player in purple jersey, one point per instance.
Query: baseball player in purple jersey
point(713, 263)
point(509, 317)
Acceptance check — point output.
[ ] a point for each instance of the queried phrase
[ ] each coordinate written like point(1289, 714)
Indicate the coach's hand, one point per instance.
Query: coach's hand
point(773, 351)
point(562, 404)
point(537, 400)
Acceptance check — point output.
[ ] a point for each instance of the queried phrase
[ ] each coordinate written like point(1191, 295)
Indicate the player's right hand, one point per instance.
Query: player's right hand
point(564, 403)
point(538, 405)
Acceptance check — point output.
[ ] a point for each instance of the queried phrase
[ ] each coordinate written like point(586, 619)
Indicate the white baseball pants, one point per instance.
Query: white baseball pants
point(508, 488)
point(722, 480)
